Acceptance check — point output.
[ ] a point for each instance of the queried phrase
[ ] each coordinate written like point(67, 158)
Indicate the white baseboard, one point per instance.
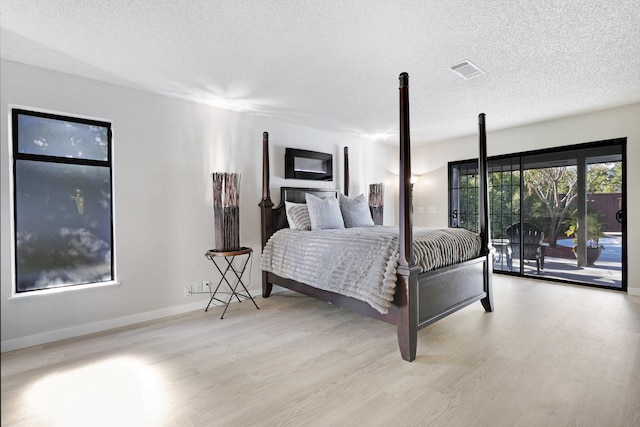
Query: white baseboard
point(76, 331)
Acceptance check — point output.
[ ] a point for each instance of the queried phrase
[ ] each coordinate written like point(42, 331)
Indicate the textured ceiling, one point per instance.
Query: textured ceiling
point(334, 64)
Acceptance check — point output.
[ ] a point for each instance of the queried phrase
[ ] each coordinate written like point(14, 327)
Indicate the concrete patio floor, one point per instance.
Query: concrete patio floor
point(606, 271)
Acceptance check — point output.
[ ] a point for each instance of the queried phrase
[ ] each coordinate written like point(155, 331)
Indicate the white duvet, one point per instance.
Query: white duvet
point(361, 262)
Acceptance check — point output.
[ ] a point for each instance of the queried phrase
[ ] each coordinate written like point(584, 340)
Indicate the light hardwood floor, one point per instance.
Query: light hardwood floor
point(550, 355)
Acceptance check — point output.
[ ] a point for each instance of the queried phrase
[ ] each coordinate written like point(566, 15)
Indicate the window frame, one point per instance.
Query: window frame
point(16, 156)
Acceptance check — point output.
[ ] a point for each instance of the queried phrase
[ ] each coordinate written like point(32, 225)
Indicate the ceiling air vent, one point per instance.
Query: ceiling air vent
point(467, 70)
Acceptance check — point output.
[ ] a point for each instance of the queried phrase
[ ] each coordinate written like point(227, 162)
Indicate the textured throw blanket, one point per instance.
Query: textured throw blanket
point(361, 262)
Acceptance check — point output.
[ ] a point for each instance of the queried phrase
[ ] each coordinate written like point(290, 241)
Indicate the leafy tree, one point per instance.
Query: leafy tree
point(556, 188)
point(504, 193)
point(604, 178)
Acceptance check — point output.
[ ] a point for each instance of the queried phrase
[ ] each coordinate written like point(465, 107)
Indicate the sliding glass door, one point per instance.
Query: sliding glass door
point(555, 214)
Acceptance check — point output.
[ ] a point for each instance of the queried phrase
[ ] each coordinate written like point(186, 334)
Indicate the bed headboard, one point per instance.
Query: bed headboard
point(295, 195)
point(273, 219)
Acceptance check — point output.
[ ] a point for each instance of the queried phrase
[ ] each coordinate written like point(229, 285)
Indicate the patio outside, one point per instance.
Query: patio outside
point(560, 263)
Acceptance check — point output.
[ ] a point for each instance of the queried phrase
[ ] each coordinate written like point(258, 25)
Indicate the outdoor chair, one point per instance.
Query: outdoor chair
point(531, 245)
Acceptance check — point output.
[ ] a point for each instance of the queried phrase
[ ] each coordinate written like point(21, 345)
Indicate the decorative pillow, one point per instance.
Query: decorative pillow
point(298, 216)
point(324, 213)
point(355, 212)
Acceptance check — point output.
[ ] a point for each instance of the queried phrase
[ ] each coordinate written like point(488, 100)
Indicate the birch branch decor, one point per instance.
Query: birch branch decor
point(226, 211)
point(376, 202)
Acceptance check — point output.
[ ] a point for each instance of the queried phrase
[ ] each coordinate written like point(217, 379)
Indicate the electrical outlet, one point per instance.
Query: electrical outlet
point(197, 287)
point(187, 292)
point(206, 286)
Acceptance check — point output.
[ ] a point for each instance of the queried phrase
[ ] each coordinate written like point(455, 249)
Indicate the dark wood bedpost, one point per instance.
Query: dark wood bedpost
point(346, 171)
point(485, 222)
point(266, 205)
point(406, 287)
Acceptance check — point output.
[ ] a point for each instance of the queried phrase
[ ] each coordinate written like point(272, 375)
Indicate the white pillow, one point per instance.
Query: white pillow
point(355, 212)
point(297, 216)
point(324, 213)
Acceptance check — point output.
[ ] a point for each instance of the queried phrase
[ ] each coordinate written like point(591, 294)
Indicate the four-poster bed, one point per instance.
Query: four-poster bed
point(420, 298)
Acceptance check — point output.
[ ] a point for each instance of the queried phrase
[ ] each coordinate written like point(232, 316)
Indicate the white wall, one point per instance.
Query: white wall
point(431, 160)
point(164, 153)
point(380, 165)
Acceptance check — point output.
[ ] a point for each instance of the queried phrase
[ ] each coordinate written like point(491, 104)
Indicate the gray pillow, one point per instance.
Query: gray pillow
point(297, 216)
point(355, 212)
point(324, 213)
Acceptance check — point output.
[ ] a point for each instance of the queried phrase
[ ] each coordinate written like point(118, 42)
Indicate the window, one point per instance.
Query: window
point(62, 201)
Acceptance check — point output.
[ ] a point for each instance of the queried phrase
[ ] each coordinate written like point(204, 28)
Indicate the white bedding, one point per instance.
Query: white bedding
point(361, 262)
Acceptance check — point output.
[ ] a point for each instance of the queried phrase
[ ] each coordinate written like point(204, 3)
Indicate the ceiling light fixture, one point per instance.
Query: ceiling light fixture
point(467, 70)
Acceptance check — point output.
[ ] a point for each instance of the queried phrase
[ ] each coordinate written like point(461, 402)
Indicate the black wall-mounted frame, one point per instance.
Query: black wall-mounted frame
point(305, 164)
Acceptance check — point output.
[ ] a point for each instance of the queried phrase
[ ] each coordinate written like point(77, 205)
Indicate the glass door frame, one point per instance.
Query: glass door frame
point(587, 150)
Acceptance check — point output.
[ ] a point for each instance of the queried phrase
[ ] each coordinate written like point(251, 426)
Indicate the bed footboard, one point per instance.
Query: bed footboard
point(447, 290)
